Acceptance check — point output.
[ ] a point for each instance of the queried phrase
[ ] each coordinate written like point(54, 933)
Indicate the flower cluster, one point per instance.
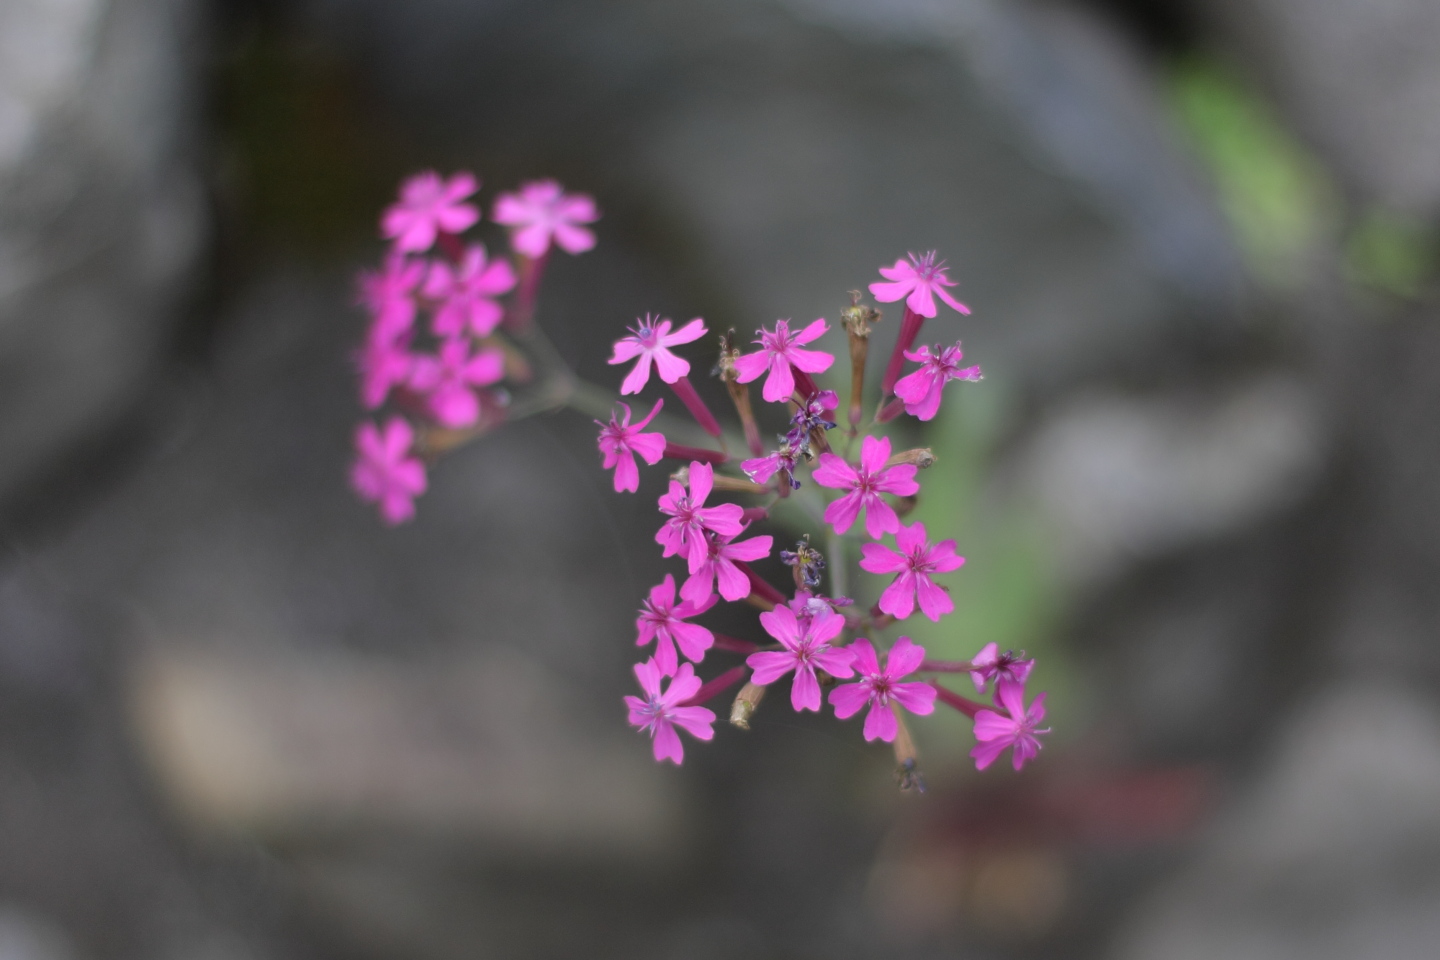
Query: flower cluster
point(444, 378)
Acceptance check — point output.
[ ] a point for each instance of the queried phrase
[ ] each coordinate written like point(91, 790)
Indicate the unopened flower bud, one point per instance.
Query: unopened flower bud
point(747, 701)
point(907, 758)
point(921, 457)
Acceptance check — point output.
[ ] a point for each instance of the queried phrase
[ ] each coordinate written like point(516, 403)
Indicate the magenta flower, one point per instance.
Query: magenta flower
point(389, 295)
point(684, 532)
point(446, 380)
point(879, 688)
point(620, 441)
point(384, 362)
point(542, 211)
point(995, 731)
point(865, 484)
point(919, 282)
point(663, 620)
point(652, 340)
point(660, 713)
point(384, 473)
point(914, 561)
point(427, 206)
point(784, 460)
point(807, 648)
point(467, 293)
point(778, 352)
point(717, 565)
point(921, 390)
point(1005, 667)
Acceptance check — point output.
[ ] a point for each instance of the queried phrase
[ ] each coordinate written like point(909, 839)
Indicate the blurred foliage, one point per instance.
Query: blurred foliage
point(1277, 197)
point(1391, 254)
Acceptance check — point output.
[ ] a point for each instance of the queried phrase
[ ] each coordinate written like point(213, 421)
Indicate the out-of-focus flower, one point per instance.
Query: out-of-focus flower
point(466, 293)
point(922, 389)
point(427, 206)
point(878, 687)
point(684, 532)
point(995, 731)
point(865, 483)
point(663, 620)
point(659, 713)
point(446, 380)
point(541, 212)
point(807, 648)
point(651, 340)
point(384, 362)
point(384, 472)
point(389, 294)
point(919, 281)
point(620, 440)
point(989, 664)
point(914, 561)
point(778, 351)
point(717, 566)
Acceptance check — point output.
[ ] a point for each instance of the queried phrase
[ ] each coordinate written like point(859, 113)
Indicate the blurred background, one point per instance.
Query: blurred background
point(240, 720)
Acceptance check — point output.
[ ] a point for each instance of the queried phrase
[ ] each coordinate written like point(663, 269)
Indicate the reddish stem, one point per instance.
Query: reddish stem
point(678, 451)
point(946, 666)
point(721, 683)
point(522, 308)
point(890, 411)
point(804, 385)
point(759, 586)
point(751, 514)
point(686, 392)
point(734, 644)
point(953, 699)
point(452, 246)
point(909, 330)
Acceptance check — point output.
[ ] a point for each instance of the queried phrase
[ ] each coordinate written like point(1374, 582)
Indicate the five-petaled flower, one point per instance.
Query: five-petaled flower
point(542, 211)
point(384, 362)
point(389, 293)
point(651, 340)
point(620, 440)
point(660, 713)
point(879, 687)
point(663, 620)
point(914, 562)
point(996, 731)
point(466, 293)
point(989, 664)
point(919, 281)
point(446, 381)
point(865, 483)
point(385, 472)
point(684, 532)
point(717, 566)
point(807, 648)
point(427, 206)
point(921, 390)
point(779, 350)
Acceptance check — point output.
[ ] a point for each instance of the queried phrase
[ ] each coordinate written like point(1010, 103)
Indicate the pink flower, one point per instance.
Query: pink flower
point(995, 731)
point(1005, 667)
point(662, 620)
point(660, 713)
point(879, 687)
point(384, 472)
point(916, 281)
point(784, 460)
point(718, 564)
point(778, 351)
point(914, 561)
point(807, 648)
point(389, 295)
point(541, 211)
point(620, 441)
point(684, 532)
point(384, 362)
point(427, 206)
point(446, 380)
point(921, 390)
point(865, 484)
point(652, 340)
point(468, 293)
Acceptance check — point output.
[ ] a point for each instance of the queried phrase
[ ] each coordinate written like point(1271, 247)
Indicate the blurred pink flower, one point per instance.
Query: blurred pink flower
point(652, 340)
point(989, 664)
point(662, 620)
point(620, 440)
point(995, 731)
point(542, 211)
point(446, 380)
point(384, 362)
point(921, 390)
point(914, 561)
point(865, 483)
point(384, 472)
point(427, 206)
point(389, 294)
point(467, 293)
point(660, 713)
point(807, 648)
point(879, 687)
point(918, 282)
point(778, 351)
point(717, 565)
point(684, 532)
